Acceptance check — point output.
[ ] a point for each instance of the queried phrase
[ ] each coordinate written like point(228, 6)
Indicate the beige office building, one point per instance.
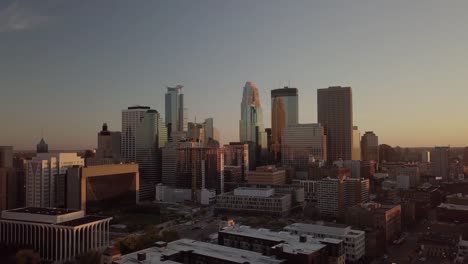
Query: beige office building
point(267, 175)
point(100, 186)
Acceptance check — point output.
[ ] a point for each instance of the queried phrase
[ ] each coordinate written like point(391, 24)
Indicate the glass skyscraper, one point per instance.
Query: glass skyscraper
point(284, 113)
point(176, 113)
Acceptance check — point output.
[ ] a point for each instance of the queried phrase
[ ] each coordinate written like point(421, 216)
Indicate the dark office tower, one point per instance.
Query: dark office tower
point(440, 159)
point(6, 156)
point(284, 113)
point(335, 114)
point(42, 147)
point(370, 147)
point(465, 156)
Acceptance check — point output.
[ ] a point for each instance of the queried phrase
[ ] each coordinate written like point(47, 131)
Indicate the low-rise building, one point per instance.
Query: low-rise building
point(385, 217)
point(59, 235)
point(452, 213)
point(191, 251)
point(438, 245)
point(354, 239)
point(246, 200)
point(267, 175)
point(293, 248)
point(457, 198)
point(167, 194)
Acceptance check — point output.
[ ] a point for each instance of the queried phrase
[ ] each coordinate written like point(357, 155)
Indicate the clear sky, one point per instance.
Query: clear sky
point(68, 66)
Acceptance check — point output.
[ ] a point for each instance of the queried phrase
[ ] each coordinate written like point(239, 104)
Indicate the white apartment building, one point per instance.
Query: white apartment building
point(330, 197)
point(354, 240)
point(45, 178)
point(256, 201)
point(59, 235)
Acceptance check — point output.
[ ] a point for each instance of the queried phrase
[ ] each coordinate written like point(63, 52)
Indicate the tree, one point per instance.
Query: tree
point(27, 256)
point(90, 257)
point(129, 244)
point(169, 235)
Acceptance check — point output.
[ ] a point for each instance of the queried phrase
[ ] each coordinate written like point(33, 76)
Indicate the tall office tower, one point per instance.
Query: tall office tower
point(210, 130)
point(109, 148)
point(8, 179)
point(284, 113)
point(335, 114)
point(109, 143)
point(169, 160)
point(176, 113)
point(440, 160)
point(199, 168)
point(42, 147)
point(8, 188)
point(251, 127)
point(45, 178)
point(149, 140)
point(237, 154)
point(356, 155)
point(302, 145)
point(131, 118)
point(370, 147)
point(465, 156)
point(6, 156)
point(426, 156)
point(143, 134)
point(196, 132)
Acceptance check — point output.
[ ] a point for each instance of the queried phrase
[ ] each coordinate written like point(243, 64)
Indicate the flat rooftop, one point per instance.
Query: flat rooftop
point(84, 220)
point(51, 216)
point(43, 211)
point(289, 242)
point(453, 207)
point(233, 255)
point(325, 228)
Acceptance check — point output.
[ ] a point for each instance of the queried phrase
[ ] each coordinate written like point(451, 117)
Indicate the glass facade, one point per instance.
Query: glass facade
point(284, 113)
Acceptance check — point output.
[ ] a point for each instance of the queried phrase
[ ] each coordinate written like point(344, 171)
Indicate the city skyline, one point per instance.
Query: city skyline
point(396, 93)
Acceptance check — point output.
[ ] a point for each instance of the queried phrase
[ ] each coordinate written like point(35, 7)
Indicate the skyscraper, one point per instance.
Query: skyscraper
point(131, 118)
point(199, 168)
point(440, 160)
point(370, 147)
point(6, 156)
point(42, 147)
point(149, 140)
point(251, 127)
point(109, 143)
point(109, 148)
point(176, 113)
point(237, 154)
point(143, 134)
point(356, 155)
point(8, 179)
point(210, 130)
point(335, 113)
point(284, 112)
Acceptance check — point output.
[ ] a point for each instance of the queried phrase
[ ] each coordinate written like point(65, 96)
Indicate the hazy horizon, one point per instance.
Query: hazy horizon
point(67, 67)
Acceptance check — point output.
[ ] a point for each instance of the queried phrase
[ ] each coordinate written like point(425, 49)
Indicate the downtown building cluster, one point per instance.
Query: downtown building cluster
point(325, 169)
